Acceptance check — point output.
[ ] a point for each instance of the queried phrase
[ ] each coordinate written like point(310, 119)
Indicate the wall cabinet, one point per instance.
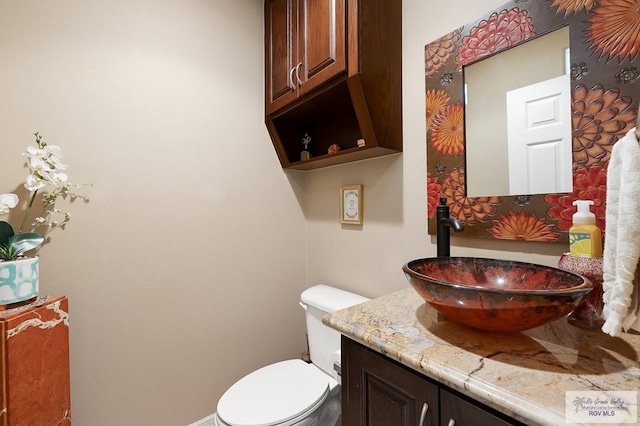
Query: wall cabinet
point(306, 48)
point(378, 391)
point(333, 70)
point(34, 375)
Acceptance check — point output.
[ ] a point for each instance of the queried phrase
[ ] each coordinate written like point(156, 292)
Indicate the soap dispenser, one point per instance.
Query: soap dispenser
point(585, 238)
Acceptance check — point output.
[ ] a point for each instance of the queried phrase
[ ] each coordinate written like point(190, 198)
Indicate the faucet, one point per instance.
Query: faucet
point(444, 222)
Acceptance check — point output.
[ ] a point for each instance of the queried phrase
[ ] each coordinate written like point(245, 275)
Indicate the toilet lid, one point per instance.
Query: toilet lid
point(274, 394)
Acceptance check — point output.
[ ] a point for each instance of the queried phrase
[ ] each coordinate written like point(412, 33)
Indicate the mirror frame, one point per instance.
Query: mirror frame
point(605, 87)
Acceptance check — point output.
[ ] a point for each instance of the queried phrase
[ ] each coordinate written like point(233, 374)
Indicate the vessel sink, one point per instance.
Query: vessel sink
point(496, 295)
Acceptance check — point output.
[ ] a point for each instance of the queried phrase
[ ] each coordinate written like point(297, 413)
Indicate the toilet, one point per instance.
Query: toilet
point(294, 392)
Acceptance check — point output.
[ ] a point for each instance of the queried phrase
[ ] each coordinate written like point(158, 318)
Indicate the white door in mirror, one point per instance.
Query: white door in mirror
point(539, 137)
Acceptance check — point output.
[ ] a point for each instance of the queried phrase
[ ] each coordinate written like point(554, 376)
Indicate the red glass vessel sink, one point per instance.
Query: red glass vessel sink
point(496, 295)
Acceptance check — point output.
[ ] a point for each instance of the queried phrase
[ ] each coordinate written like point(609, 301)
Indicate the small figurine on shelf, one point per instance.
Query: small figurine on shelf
point(305, 155)
point(334, 148)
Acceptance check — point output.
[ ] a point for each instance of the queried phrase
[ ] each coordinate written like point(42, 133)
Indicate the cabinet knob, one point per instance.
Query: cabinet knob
point(451, 422)
point(423, 415)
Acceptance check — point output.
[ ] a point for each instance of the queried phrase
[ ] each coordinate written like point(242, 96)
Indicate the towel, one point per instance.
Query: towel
point(622, 237)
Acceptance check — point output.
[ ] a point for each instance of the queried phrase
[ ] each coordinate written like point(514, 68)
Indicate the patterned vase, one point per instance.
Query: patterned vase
point(588, 314)
point(18, 280)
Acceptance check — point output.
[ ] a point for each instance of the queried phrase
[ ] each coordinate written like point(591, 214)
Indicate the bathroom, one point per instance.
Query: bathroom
point(185, 269)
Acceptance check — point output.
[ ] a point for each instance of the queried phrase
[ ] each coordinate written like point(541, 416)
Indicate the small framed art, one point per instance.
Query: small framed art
point(351, 204)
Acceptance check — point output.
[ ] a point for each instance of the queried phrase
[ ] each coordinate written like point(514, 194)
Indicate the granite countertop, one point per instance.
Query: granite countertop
point(524, 375)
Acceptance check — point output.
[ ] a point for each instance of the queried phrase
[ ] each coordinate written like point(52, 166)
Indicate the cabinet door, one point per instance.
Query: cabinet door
point(322, 40)
point(455, 410)
point(281, 52)
point(380, 392)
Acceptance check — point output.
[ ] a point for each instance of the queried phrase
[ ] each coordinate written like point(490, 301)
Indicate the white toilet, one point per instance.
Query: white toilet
point(294, 392)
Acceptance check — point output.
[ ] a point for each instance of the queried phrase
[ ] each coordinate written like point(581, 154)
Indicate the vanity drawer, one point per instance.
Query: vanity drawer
point(457, 411)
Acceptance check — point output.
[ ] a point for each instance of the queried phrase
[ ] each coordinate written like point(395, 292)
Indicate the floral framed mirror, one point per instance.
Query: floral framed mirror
point(604, 87)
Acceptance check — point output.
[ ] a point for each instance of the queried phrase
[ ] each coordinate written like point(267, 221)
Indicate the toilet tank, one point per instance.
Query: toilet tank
point(324, 342)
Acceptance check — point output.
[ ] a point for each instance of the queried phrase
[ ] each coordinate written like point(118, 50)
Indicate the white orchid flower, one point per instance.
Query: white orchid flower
point(51, 178)
point(34, 151)
point(50, 154)
point(33, 183)
point(46, 171)
point(38, 166)
point(57, 178)
point(7, 201)
point(55, 162)
point(54, 150)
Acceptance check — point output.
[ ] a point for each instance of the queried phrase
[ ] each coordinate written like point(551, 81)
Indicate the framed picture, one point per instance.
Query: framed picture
point(351, 204)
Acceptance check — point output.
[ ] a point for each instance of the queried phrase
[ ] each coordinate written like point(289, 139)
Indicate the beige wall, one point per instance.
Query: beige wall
point(184, 270)
point(187, 265)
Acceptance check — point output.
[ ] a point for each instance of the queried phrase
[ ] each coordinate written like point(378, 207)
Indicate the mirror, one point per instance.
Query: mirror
point(524, 92)
point(604, 89)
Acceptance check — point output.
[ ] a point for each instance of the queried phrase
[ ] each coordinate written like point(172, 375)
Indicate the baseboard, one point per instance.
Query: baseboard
point(207, 421)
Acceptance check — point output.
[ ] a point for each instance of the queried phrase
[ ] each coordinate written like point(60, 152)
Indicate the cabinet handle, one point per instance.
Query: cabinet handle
point(423, 415)
point(298, 73)
point(291, 77)
point(451, 422)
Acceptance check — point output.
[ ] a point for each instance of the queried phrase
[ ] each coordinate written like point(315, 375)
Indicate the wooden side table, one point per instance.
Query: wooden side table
point(34, 370)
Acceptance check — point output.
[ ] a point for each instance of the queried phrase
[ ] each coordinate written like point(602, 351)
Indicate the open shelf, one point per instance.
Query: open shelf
point(336, 115)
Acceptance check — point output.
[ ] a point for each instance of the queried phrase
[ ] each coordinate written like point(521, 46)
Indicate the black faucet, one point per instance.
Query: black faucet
point(444, 222)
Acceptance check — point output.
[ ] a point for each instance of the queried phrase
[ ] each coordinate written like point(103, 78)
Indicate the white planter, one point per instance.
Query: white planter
point(19, 280)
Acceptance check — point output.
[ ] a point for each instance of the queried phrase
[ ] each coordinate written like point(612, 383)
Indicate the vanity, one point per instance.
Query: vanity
point(404, 364)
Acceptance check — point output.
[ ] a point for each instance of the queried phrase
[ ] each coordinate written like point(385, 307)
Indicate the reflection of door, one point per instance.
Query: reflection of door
point(539, 137)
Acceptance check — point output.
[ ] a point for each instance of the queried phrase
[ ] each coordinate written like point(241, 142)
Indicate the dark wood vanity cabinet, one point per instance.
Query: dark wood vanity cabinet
point(333, 70)
point(378, 391)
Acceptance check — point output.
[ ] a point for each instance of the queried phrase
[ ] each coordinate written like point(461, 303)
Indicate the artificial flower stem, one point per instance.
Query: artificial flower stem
point(26, 213)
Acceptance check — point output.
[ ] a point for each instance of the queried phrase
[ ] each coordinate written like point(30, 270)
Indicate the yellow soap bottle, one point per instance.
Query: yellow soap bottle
point(585, 238)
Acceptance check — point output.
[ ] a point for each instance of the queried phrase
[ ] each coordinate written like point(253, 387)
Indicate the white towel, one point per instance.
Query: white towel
point(622, 237)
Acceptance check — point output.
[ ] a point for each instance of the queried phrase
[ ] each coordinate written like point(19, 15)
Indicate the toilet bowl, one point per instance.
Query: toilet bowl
point(294, 392)
point(287, 393)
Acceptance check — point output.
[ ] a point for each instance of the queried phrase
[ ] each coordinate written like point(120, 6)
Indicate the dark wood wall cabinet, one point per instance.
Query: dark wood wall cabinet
point(378, 391)
point(333, 71)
